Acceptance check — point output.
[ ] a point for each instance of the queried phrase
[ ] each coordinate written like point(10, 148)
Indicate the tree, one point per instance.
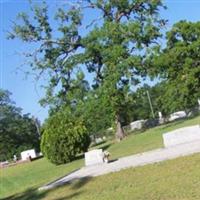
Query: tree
point(64, 137)
point(114, 50)
point(96, 115)
point(179, 66)
point(17, 132)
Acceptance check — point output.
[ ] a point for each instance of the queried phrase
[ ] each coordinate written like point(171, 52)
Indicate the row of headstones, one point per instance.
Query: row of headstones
point(139, 124)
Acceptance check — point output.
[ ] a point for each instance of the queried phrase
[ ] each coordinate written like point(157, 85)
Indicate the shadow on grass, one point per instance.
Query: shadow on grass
point(80, 182)
point(35, 194)
point(29, 194)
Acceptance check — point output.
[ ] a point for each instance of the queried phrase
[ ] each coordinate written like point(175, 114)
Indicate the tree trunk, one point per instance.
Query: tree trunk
point(119, 131)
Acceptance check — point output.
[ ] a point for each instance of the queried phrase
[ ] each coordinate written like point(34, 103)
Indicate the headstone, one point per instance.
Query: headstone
point(160, 115)
point(14, 158)
point(98, 140)
point(104, 138)
point(110, 129)
point(94, 157)
point(28, 154)
point(181, 136)
point(137, 124)
point(177, 115)
point(161, 119)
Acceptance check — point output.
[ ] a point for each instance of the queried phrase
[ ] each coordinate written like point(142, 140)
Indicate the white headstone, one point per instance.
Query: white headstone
point(25, 155)
point(160, 115)
point(98, 140)
point(137, 124)
point(182, 135)
point(94, 157)
point(177, 115)
point(161, 119)
point(199, 103)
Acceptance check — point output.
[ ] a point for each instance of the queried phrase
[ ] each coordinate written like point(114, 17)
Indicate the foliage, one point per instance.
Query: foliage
point(64, 137)
point(113, 50)
point(116, 50)
point(96, 115)
point(180, 67)
point(17, 132)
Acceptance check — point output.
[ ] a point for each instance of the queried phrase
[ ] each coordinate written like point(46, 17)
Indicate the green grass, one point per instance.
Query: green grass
point(148, 140)
point(27, 177)
point(177, 179)
point(18, 178)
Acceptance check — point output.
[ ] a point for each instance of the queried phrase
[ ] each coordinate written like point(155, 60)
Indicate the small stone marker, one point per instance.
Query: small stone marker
point(94, 157)
point(161, 119)
point(199, 103)
point(98, 140)
point(181, 136)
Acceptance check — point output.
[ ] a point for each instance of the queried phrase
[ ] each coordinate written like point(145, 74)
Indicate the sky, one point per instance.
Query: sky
point(26, 92)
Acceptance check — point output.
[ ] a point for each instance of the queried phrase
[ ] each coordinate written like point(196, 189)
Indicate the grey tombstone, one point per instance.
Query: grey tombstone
point(181, 136)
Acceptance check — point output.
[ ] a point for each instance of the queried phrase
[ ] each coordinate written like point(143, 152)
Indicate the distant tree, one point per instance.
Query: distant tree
point(17, 132)
point(179, 66)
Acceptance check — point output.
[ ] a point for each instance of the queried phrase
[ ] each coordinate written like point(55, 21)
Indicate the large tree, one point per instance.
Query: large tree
point(113, 48)
point(179, 65)
point(18, 132)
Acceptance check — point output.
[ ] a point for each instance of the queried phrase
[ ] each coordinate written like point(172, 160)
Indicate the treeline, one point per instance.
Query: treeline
point(18, 132)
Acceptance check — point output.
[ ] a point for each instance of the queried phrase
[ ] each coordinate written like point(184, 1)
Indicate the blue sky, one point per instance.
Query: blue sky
point(26, 92)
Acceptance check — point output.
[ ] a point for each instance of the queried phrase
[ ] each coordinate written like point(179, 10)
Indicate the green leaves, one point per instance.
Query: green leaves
point(179, 65)
point(17, 132)
point(64, 137)
point(113, 50)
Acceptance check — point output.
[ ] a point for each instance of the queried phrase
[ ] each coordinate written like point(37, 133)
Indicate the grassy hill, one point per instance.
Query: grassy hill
point(22, 181)
point(177, 179)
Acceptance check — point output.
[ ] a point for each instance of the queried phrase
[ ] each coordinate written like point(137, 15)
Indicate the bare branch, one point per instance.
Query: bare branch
point(94, 21)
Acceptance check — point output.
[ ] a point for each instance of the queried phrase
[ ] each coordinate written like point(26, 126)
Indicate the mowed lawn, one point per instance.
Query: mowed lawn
point(22, 181)
point(177, 179)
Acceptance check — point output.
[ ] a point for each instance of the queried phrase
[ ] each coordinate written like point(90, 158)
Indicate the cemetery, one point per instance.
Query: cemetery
point(146, 141)
point(100, 100)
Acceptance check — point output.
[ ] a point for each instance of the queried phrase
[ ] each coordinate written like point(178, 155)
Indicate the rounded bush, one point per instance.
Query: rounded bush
point(63, 138)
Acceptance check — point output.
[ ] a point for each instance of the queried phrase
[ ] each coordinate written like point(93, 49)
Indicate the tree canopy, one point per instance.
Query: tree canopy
point(179, 65)
point(113, 49)
point(18, 132)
